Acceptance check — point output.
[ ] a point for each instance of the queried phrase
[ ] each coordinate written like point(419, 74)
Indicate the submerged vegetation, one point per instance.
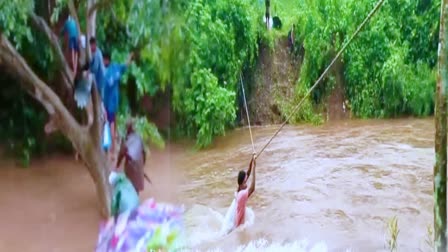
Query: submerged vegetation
point(196, 50)
point(393, 230)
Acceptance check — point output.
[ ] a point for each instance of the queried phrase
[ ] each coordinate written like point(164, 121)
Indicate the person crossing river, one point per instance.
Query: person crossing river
point(236, 213)
point(244, 192)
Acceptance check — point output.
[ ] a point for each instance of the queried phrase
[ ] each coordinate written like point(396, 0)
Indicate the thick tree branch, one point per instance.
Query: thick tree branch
point(74, 14)
point(92, 9)
point(90, 25)
point(98, 117)
point(12, 60)
point(54, 42)
point(90, 151)
point(96, 6)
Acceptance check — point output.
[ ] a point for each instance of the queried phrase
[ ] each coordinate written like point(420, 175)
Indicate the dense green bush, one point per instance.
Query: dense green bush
point(197, 48)
point(223, 42)
point(388, 67)
point(209, 105)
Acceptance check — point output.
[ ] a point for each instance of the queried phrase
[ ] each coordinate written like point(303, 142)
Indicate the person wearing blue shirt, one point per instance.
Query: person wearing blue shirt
point(71, 29)
point(97, 66)
point(114, 72)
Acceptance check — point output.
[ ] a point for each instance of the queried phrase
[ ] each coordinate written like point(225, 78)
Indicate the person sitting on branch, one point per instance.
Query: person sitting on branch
point(70, 28)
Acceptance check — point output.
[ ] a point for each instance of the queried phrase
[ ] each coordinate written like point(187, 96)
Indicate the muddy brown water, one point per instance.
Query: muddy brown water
point(51, 206)
point(336, 184)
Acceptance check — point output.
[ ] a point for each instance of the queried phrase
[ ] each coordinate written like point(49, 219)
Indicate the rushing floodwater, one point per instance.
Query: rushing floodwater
point(327, 188)
point(337, 183)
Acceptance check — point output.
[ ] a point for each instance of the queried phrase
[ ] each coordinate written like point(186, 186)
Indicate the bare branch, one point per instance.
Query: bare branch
point(90, 26)
point(98, 117)
point(98, 5)
point(74, 14)
point(91, 10)
point(40, 23)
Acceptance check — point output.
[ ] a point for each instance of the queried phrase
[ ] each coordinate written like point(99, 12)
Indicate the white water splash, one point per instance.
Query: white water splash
point(263, 245)
point(298, 246)
point(204, 224)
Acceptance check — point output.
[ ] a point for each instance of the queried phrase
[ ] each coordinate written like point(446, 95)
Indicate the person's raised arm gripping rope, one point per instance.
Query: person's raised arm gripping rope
point(243, 192)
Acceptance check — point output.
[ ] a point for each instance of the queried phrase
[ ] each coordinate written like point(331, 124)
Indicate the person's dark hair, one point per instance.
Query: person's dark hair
point(85, 67)
point(106, 55)
point(241, 177)
point(129, 125)
point(92, 40)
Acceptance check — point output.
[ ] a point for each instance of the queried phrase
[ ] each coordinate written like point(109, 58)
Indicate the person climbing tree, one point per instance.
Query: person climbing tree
point(133, 152)
point(73, 41)
point(97, 66)
point(84, 80)
point(114, 71)
point(267, 15)
point(83, 85)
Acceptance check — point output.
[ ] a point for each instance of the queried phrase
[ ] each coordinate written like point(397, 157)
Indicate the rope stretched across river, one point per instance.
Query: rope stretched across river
point(247, 114)
point(374, 10)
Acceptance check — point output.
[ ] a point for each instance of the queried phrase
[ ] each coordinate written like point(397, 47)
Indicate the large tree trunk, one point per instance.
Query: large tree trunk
point(96, 163)
point(85, 139)
point(440, 167)
point(91, 13)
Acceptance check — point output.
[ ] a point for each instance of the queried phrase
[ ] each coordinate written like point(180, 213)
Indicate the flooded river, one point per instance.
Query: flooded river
point(337, 183)
point(333, 186)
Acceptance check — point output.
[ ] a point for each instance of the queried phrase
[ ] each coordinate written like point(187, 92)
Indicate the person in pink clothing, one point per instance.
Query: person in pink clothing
point(244, 192)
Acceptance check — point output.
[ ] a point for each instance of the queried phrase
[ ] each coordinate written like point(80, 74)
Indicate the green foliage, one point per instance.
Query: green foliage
point(222, 38)
point(156, 29)
point(24, 130)
point(287, 11)
point(194, 48)
point(13, 20)
point(304, 113)
point(175, 41)
point(388, 67)
point(210, 105)
point(148, 131)
point(268, 39)
point(197, 50)
point(23, 118)
point(214, 47)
